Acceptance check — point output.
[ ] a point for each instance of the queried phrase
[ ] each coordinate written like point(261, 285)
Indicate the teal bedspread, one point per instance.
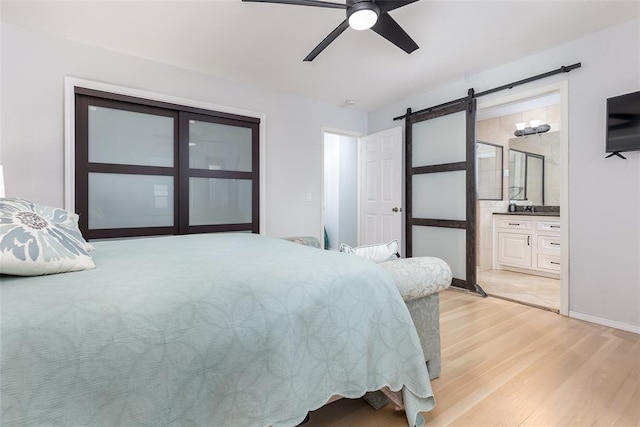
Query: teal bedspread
point(217, 330)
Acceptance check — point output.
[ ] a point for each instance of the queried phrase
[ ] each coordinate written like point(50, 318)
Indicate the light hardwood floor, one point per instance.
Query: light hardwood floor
point(511, 365)
point(526, 288)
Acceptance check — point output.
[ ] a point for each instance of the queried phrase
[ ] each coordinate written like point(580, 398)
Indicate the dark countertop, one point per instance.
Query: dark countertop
point(541, 213)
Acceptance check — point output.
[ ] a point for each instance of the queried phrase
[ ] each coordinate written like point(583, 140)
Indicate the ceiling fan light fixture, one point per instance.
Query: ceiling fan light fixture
point(363, 16)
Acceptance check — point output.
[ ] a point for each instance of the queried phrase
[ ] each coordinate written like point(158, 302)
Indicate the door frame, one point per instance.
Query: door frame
point(561, 87)
point(70, 85)
point(359, 137)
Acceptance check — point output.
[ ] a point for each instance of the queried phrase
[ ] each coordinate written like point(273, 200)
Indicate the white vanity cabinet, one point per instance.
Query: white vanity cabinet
point(548, 245)
point(514, 242)
point(528, 244)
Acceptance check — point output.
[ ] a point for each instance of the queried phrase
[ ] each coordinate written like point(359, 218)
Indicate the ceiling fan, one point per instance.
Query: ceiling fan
point(361, 15)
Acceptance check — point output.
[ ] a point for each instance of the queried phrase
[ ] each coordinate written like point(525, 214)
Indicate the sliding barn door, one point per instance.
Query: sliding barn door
point(440, 187)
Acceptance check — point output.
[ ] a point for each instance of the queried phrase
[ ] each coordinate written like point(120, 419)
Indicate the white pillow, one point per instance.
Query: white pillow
point(37, 240)
point(376, 253)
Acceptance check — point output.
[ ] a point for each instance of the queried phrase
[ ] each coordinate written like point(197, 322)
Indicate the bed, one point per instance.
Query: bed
point(224, 330)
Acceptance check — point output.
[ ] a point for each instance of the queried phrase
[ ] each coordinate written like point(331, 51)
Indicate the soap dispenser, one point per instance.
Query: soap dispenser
point(512, 206)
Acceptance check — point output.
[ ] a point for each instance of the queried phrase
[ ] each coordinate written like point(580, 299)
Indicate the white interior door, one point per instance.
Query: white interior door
point(381, 187)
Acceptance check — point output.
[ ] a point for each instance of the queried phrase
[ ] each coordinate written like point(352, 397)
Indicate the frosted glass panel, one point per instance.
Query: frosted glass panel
point(440, 195)
point(129, 138)
point(219, 201)
point(130, 201)
point(440, 140)
point(219, 147)
point(448, 244)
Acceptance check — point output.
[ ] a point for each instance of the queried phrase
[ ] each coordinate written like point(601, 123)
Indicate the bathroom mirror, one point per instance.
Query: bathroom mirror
point(489, 171)
point(534, 169)
point(526, 177)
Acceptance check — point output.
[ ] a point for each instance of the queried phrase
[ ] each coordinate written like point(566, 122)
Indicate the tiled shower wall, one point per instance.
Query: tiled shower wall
point(499, 131)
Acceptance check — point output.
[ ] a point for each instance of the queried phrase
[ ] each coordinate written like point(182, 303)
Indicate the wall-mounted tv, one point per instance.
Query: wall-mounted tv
point(623, 123)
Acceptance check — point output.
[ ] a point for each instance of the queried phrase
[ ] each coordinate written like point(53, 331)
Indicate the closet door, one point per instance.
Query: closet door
point(145, 167)
point(219, 174)
point(125, 168)
point(441, 188)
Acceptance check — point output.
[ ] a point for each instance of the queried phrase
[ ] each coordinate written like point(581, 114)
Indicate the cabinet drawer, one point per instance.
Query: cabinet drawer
point(549, 226)
point(514, 224)
point(549, 244)
point(549, 262)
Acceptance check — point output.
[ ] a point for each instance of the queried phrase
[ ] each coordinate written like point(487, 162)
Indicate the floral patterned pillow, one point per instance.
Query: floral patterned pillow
point(37, 240)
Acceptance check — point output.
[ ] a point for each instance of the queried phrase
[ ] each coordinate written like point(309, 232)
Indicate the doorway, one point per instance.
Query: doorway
point(340, 190)
point(528, 265)
point(362, 188)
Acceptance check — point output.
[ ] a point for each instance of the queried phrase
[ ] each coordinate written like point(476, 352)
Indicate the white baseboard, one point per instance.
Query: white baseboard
point(605, 322)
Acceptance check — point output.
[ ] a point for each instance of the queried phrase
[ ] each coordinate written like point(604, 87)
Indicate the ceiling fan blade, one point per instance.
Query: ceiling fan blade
point(316, 3)
point(387, 5)
point(327, 40)
point(388, 28)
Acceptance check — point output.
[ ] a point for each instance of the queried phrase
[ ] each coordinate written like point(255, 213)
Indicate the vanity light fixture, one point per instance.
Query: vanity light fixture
point(534, 128)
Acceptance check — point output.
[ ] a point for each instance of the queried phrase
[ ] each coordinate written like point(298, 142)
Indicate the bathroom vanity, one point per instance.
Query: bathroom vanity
point(527, 242)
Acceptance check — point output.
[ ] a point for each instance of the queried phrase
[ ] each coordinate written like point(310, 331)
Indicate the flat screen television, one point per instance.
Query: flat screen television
point(623, 123)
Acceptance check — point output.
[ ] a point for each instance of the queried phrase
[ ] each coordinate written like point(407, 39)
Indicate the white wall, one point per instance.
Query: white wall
point(31, 145)
point(604, 195)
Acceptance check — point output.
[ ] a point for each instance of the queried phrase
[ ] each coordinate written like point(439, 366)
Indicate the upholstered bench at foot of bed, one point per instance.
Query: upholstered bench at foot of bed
point(419, 281)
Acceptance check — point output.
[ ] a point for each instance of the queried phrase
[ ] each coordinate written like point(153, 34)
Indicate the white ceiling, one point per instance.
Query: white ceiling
point(263, 45)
